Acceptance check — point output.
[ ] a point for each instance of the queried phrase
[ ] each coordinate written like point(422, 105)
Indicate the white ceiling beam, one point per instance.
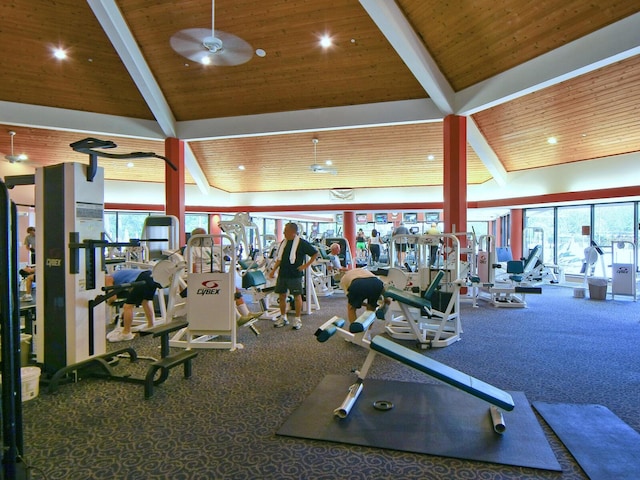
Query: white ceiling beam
point(613, 43)
point(393, 24)
point(53, 118)
point(333, 118)
point(116, 28)
point(482, 148)
point(196, 172)
point(398, 31)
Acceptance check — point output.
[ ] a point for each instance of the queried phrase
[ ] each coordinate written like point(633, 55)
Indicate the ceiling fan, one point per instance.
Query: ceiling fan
point(211, 47)
point(316, 167)
point(13, 158)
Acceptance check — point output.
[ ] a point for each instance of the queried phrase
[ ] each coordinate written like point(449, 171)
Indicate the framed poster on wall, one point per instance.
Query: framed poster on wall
point(339, 217)
point(361, 218)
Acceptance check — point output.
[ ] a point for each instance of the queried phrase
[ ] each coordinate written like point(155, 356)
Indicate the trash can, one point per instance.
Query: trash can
point(597, 288)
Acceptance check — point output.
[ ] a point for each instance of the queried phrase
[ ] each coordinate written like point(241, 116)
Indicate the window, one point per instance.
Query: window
point(612, 223)
point(196, 220)
point(571, 242)
point(130, 225)
point(540, 230)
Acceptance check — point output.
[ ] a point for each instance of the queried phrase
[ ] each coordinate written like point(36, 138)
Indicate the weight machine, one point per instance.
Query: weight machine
point(211, 310)
point(430, 316)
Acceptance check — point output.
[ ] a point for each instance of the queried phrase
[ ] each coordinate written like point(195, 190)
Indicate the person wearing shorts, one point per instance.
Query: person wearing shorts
point(362, 288)
point(291, 263)
point(135, 296)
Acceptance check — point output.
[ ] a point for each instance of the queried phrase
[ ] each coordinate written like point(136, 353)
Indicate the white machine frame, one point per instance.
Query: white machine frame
point(624, 275)
point(442, 327)
point(211, 310)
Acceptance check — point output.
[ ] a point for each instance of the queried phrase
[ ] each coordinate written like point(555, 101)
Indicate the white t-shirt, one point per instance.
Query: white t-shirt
point(352, 275)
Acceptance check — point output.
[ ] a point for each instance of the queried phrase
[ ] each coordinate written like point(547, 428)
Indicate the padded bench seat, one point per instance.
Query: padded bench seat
point(407, 298)
point(444, 373)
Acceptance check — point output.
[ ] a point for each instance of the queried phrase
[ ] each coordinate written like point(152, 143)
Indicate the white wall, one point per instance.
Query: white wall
point(611, 172)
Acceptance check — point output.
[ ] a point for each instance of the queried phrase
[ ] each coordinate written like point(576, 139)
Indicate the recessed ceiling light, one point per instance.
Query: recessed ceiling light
point(430, 158)
point(328, 162)
point(260, 52)
point(59, 53)
point(325, 41)
point(206, 60)
point(552, 140)
point(130, 164)
point(240, 167)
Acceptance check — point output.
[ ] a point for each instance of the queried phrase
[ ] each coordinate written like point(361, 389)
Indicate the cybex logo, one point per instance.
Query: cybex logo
point(209, 287)
point(54, 262)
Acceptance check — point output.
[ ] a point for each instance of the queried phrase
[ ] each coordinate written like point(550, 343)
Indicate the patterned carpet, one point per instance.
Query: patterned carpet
point(221, 423)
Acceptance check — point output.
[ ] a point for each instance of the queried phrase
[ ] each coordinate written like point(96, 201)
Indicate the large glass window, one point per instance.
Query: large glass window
point(571, 242)
point(539, 230)
point(196, 220)
point(612, 223)
point(111, 225)
point(130, 225)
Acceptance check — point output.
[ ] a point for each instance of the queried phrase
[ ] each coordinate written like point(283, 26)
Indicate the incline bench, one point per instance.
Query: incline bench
point(380, 345)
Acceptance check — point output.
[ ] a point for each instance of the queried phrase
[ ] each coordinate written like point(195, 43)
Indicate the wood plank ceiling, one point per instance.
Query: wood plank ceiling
point(592, 115)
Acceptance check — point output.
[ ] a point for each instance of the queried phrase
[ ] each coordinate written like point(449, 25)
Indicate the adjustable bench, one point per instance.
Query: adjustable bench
point(380, 345)
point(435, 324)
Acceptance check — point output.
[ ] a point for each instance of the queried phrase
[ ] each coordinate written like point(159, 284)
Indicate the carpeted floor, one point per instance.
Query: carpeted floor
point(221, 423)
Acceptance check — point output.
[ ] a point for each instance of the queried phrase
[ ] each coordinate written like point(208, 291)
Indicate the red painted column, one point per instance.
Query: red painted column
point(349, 229)
point(279, 233)
point(515, 235)
point(455, 174)
point(174, 182)
point(214, 224)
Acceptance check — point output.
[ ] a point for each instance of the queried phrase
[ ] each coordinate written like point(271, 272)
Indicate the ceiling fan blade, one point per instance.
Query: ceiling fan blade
point(190, 44)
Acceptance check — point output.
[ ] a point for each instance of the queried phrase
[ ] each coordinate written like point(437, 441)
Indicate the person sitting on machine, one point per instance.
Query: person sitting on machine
point(361, 287)
point(28, 273)
point(334, 260)
point(136, 295)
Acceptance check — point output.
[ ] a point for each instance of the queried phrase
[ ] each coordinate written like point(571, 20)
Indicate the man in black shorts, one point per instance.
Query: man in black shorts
point(291, 262)
point(137, 295)
point(361, 286)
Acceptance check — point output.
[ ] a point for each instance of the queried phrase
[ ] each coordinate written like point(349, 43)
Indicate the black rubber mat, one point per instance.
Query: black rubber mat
point(434, 419)
point(603, 445)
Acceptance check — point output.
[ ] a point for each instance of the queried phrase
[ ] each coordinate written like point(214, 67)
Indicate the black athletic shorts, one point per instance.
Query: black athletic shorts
point(142, 292)
point(362, 289)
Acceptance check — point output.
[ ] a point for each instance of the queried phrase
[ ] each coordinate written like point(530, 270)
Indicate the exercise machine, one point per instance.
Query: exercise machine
point(211, 286)
point(624, 269)
point(379, 345)
point(13, 465)
point(431, 319)
point(428, 311)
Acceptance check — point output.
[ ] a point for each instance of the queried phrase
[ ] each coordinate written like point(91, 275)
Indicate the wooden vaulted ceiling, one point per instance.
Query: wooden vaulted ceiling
point(593, 115)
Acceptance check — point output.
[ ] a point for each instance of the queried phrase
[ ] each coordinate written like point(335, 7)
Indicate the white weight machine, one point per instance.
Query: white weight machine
point(624, 269)
point(430, 316)
point(211, 286)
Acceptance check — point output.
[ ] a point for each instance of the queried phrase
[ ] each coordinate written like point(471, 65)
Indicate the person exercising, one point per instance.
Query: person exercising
point(361, 287)
point(137, 295)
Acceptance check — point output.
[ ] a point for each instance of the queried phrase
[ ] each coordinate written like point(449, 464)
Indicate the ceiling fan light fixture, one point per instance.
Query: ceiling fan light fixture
point(316, 167)
point(211, 46)
point(13, 158)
